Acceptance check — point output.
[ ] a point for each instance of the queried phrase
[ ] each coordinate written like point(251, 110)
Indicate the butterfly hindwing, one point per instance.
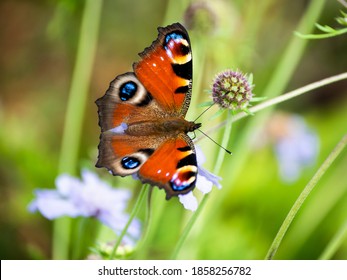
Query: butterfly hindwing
point(168, 163)
point(172, 166)
point(124, 155)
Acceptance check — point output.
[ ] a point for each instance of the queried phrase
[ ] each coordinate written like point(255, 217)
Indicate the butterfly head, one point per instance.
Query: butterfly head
point(193, 126)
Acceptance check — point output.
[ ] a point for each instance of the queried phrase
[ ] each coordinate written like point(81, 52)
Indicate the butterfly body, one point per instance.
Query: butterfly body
point(167, 126)
point(142, 117)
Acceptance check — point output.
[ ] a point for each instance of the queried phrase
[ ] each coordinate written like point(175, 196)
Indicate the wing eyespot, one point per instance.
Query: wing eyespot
point(130, 162)
point(186, 170)
point(177, 48)
point(126, 88)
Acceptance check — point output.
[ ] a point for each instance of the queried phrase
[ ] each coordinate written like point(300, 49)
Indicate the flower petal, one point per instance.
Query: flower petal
point(53, 207)
point(203, 185)
point(89, 197)
point(200, 157)
point(90, 178)
point(297, 149)
point(189, 201)
point(66, 184)
point(209, 176)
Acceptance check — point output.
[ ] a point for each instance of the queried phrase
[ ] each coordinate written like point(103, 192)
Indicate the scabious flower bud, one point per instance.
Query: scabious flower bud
point(201, 17)
point(232, 90)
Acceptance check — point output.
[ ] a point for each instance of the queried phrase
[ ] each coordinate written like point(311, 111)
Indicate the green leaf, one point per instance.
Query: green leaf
point(325, 28)
point(342, 20)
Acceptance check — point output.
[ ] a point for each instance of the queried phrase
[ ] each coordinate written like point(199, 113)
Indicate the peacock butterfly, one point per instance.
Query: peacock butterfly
point(142, 117)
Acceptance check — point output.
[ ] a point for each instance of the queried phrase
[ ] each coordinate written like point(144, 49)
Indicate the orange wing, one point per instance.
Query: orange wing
point(168, 163)
point(172, 166)
point(165, 69)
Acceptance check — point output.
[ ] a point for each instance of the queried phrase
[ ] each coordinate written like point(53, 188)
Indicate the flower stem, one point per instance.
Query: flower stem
point(133, 213)
point(75, 113)
point(292, 94)
point(147, 225)
point(323, 35)
point(302, 197)
point(225, 141)
point(196, 214)
point(188, 227)
point(334, 243)
point(281, 77)
point(156, 208)
point(282, 98)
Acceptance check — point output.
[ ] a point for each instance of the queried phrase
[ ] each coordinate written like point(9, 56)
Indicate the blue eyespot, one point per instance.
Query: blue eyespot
point(173, 36)
point(130, 162)
point(127, 90)
point(182, 186)
point(177, 47)
point(180, 181)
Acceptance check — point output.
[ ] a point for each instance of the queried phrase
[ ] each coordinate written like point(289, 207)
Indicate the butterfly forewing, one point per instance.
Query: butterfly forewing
point(166, 69)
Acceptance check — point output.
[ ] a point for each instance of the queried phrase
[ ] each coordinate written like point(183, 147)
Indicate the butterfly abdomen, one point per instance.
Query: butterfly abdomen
point(165, 126)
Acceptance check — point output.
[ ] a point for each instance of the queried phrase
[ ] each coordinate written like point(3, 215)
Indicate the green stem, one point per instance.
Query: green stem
point(140, 247)
point(292, 94)
point(154, 221)
point(75, 113)
point(302, 197)
point(334, 243)
point(225, 141)
point(282, 75)
point(282, 98)
point(188, 228)
point(322, 36)
point(324, 201)
point(133, 213)
point(196, 214)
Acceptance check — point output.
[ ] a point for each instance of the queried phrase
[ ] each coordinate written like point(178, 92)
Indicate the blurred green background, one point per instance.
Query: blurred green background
point(38, 51)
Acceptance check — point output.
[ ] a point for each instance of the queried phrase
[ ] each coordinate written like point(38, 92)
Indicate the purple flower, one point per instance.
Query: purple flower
point(232, 90)
point(296, 145)
point(204, 183)
point(88, 197)
point(296, 151)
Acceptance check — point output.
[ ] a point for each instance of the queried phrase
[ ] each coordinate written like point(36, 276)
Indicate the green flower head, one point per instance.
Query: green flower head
point(232, 90)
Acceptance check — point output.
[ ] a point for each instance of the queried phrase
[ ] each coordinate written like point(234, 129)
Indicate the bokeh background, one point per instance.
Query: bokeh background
point(38, 49)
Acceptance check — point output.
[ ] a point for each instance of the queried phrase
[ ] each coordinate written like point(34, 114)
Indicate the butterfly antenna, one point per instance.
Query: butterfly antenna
point(209, 107)
point(230, 153)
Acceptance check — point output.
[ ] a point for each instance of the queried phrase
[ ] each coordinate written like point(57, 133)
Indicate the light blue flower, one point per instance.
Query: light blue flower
point(88, 197)
point(204, 183)
point(296, 145)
